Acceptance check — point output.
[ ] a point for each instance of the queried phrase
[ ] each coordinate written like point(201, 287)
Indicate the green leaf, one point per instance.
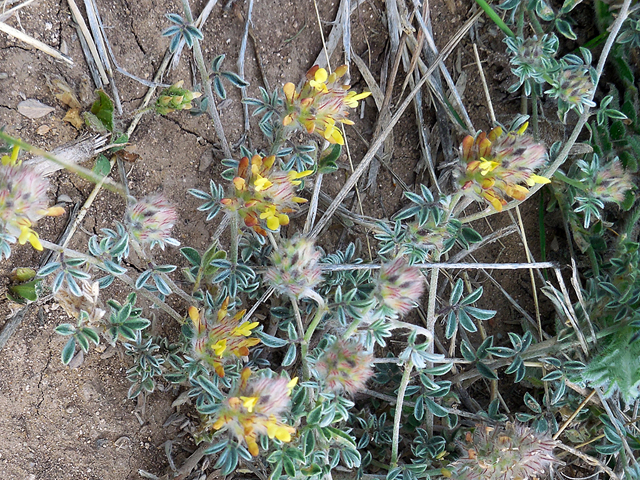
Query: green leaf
point(65, 329)
point(91, 334)
point(27, 290)
point(192, 255)
point(68, 351)
point(565, 29)
point(270, 341)
point(235, 79)
point(434, 408)
point(289, 467)
point(486, 371)
point(466, 321)
point(328, 157)
point(82, 341)
point(102, 166)
point(290, 356)
point(102, 108)
point(313, 417)
point(456, 293)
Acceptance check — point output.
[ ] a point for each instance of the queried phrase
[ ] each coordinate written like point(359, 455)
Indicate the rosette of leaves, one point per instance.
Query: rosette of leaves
point(80, 334)
point(181, 29)
point(125, 320)
point(461, 312)
point(146, 365)
point(217, 74)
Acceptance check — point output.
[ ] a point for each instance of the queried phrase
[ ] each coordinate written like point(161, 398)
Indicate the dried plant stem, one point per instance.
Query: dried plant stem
point(206, 84)
point(573, 415)
point(77, 16)
point(485, 87)
point(35, 43)
point(445, 266)
point(397, 417)
point(8, 13)
point(377, 143)
point(589, 459)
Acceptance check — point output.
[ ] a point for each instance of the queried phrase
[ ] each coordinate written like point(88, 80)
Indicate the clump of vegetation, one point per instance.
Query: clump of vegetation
point(295, 394)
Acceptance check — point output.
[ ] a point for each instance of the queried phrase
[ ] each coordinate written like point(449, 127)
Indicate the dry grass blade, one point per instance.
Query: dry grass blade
point(377, 143)
point(77, 16)
point(8, 13)
point(35, 43)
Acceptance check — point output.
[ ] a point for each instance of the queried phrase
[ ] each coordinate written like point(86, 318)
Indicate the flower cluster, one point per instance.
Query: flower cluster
point(256, 407)
point(23, 200)
point(573, 88)
point(399, 286)
point(218, 339)
point(321, 102)
point(532, 59)
point(151, 219)
point(295, 269)
point(344, 366)
point(611, 182)
point(175, 98)
point(496, 165)
point(264, 193)
point(506, 453)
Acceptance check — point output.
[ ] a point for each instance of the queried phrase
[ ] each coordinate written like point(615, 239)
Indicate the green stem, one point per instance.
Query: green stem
point(406, 377)
point(304, 347)
point(570, 181)
point(536, 24)
point(206, 84)
point(495, 17)
point(233, 245)
point(534, 114)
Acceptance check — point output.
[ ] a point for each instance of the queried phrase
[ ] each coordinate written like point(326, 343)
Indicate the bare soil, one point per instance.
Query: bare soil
point(71, 424)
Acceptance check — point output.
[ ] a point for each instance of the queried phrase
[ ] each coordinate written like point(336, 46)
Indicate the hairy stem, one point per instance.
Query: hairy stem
point(206, 84)
point(406, 377)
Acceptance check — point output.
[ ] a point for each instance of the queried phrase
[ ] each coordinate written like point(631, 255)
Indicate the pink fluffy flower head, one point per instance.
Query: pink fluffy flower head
point(512, 452)
point(295, 269)
point(344, 366)
point(612, 182)
point(399, 286)
point(150, 221)
point(23, 200)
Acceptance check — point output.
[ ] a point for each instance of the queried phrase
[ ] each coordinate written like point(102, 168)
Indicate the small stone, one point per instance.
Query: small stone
point(43, 129)
point(32, 108)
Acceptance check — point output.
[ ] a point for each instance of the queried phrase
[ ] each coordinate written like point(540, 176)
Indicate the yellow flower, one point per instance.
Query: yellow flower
point(353, 97)
point(331, 133)
point(245, 329)
point(292, 383)
point(11, 160)
point(533, 179)
point(261, 183)
point(27, 234)
point(319, 80)
point(219, 347)
point(487, 166)
point(249, 403)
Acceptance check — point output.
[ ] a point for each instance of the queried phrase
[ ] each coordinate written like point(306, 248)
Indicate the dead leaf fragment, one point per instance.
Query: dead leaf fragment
point(74, 118)
point(32, 108)
point(63, 92)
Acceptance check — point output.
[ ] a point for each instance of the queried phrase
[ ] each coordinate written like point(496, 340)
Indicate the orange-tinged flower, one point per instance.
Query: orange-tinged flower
point(496, 165)
point(217, 340)
point(264, 194)
point(256, 406)
point(322, 102)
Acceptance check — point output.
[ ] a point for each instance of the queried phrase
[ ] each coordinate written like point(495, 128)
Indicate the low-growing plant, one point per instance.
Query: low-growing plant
point(292, 390)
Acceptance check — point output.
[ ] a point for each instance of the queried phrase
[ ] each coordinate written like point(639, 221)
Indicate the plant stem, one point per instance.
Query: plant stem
point(233, 245)
point(82, 172)
point(206, 84)
point(406, 377)
point(495, 18)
